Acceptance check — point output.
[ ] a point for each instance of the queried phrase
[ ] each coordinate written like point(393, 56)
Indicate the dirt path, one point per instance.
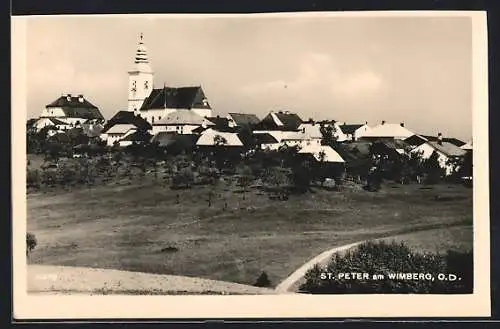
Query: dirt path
point(292, 280)
point(289, 282)
point(43, 279)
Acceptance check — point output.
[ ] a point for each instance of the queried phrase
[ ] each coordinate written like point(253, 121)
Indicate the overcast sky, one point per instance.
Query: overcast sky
point(354, 69)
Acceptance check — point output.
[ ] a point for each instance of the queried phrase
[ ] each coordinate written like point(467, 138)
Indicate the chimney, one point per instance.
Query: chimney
point(68, 97)
point(402, 124)
point(80, 98)
point(345, 123)
point(383, 121)
point(440, 139)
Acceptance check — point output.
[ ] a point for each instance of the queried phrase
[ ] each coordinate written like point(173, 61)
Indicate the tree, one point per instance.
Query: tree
point(263, 281)
point(31, 243)
point(328, 131)
point(432, 168)
point(183, 178)
point(245, 178)
point(277, 179)
point(220, 140)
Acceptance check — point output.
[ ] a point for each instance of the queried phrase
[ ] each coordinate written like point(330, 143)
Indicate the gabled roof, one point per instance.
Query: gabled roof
point(176, 98)
point(454, 141)
point(127, 117)
point(388, 130)
point(467, 146)
point(447, 148)
point(137, 136)
point(319, 151)
point(350, 128)
point(285, 121)
point(208, 138)
point(180, 117)
point(76, 107)
point(120, 128)
point(168, 139)
point(415, 140)
point(243, 119)
point(265, 138)
point(219, 123)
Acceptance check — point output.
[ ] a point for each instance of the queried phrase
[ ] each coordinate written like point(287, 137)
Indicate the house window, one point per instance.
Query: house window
point(159, 118)
point(153, 120)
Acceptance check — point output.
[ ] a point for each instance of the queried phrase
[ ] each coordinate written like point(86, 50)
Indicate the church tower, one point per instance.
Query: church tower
point(140, 78)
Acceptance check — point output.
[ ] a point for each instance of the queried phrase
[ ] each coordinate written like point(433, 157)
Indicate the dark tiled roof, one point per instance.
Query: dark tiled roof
point(350, 129)
point(265, 139)
point(220, 123)
point(199, 130)
point(175, 98)
point(454, 141)
point(138, 136)
point(243, 119)
point(291, 122)
point(72, 107)
point(127, 117)
point(178, 141)
point(415, 140)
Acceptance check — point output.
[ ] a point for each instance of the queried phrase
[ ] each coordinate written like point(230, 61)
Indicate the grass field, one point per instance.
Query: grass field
point(137, 227)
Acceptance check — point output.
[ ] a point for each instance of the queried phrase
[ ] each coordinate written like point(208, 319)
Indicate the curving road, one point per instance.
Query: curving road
point(286, 284)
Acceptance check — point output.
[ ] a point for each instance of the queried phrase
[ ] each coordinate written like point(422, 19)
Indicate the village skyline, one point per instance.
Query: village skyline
point(246, 74)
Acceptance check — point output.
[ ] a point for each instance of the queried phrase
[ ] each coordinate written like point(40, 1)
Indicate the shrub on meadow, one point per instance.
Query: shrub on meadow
point(31, 243)
point(389, 259)
point(33, 178)
point(263, 281)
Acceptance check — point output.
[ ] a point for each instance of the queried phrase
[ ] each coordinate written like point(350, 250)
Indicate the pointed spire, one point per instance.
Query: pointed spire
point(164, 95)
point(141, 55)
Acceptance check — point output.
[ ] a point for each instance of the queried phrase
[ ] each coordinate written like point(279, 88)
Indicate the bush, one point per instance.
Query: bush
point(30, 243)
point(183, 178)
point(33, 178)
point(387, 259)
point(263, 281)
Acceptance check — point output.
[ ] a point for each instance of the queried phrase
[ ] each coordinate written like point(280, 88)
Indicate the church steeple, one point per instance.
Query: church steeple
point(140, 77)
point(141, 55)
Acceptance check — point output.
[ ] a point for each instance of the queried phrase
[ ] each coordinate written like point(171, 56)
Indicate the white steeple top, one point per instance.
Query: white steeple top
point(141, 62)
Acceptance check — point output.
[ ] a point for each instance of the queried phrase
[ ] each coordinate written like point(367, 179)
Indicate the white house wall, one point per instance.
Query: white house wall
point(180, 129)
point(426, 152)
point(53, 112)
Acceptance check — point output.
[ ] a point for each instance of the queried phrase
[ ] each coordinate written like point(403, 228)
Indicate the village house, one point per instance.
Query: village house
point(68, 111)
point(212, 137)
point(181, 122)
point(283, 126)
point(322, 153)
point(386, 131)
point(240, 120)
point(446, 151)
point(121, 125)
point(351, 132)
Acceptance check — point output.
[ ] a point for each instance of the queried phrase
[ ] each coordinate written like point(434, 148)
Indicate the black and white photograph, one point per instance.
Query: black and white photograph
point(258, 156)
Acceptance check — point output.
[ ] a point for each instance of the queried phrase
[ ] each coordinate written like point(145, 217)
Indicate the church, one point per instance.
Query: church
point(170, 109)
point(154, 104)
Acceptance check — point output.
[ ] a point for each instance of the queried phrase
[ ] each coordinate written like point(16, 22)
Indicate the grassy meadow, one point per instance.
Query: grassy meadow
point(147, 227)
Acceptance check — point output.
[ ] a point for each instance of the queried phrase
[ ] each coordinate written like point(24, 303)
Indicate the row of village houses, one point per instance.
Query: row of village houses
point(171, 113)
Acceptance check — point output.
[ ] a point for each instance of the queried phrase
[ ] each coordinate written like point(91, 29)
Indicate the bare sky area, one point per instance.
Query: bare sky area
point(354, 69)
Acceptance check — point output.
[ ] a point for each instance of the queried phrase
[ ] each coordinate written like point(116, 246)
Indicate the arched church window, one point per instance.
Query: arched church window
point(146, 84)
